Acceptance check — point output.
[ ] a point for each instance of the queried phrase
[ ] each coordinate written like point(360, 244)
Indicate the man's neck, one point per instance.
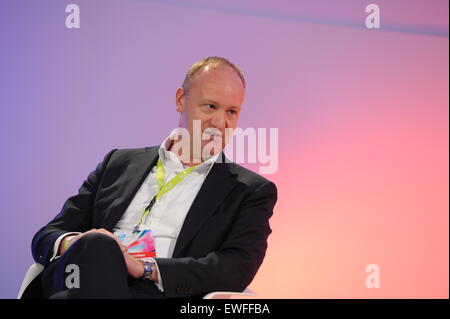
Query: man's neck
point(189, 162)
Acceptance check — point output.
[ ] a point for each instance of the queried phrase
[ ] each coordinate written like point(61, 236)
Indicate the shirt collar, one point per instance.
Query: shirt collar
point(171, 160)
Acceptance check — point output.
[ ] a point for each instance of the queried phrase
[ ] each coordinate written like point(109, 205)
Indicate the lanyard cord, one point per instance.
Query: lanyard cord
point(163, 188)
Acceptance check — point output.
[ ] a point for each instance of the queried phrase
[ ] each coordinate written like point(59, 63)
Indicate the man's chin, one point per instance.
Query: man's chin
point(211, 148)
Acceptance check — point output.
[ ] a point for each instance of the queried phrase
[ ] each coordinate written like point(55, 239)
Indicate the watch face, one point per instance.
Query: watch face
point(147, 270)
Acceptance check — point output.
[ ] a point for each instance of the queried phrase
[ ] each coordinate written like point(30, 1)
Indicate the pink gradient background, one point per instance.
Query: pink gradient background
point(362, 117)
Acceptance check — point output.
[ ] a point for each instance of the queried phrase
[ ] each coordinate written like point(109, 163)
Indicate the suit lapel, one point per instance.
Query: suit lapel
point(133, 177)
point(215, 188)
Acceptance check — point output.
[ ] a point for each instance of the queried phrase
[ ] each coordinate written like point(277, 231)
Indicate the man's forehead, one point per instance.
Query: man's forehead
point(222, 75)
point(219, 86)
point(220, 95)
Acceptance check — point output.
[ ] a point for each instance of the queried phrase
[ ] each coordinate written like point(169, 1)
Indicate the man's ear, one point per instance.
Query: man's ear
point(179, 100)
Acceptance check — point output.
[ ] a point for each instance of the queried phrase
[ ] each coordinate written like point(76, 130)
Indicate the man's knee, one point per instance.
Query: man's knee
point(98, 243)
point(95, 256)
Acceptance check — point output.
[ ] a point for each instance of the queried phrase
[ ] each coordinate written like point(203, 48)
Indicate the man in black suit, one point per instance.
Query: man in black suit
point(207, 228)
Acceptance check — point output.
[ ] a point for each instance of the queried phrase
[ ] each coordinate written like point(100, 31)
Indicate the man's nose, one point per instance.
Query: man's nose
point(218, 122)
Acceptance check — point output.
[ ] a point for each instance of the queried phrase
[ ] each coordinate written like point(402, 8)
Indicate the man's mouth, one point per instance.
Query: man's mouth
point(211, 134)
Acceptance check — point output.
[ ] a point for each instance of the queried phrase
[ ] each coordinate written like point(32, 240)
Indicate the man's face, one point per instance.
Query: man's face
point(215, 98)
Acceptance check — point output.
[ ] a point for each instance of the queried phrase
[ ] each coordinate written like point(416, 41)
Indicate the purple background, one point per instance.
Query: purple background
point(67, 97)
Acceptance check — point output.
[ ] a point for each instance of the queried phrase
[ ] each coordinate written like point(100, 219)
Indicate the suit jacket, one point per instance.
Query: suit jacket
point(222, 242)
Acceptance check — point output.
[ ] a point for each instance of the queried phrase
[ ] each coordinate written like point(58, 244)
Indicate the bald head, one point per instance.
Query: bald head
point(206, 65)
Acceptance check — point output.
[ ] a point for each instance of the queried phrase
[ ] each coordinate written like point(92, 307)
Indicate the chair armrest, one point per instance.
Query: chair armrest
point(228, 294)
point(32, 272)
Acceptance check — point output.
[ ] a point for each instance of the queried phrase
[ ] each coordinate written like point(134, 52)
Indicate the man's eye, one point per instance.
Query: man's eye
point(233, 112)
point(210, 106)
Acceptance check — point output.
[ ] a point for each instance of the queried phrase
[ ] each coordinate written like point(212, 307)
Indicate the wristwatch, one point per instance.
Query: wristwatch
point(148, 270)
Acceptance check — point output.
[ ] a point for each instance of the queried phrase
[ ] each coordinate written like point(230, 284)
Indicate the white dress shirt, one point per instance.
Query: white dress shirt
point(169, 211)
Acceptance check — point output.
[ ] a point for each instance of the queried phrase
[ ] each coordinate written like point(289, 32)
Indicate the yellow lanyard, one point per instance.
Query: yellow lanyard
point(163, 188)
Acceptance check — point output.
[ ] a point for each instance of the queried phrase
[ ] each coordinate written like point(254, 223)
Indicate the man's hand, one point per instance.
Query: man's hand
point(134, 266)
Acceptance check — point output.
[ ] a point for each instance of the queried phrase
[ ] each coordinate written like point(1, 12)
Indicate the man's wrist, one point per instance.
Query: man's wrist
point(142, 271)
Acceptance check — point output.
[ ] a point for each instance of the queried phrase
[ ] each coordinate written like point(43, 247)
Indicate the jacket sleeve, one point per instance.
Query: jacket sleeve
point(233, 266)
point(75, 216)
